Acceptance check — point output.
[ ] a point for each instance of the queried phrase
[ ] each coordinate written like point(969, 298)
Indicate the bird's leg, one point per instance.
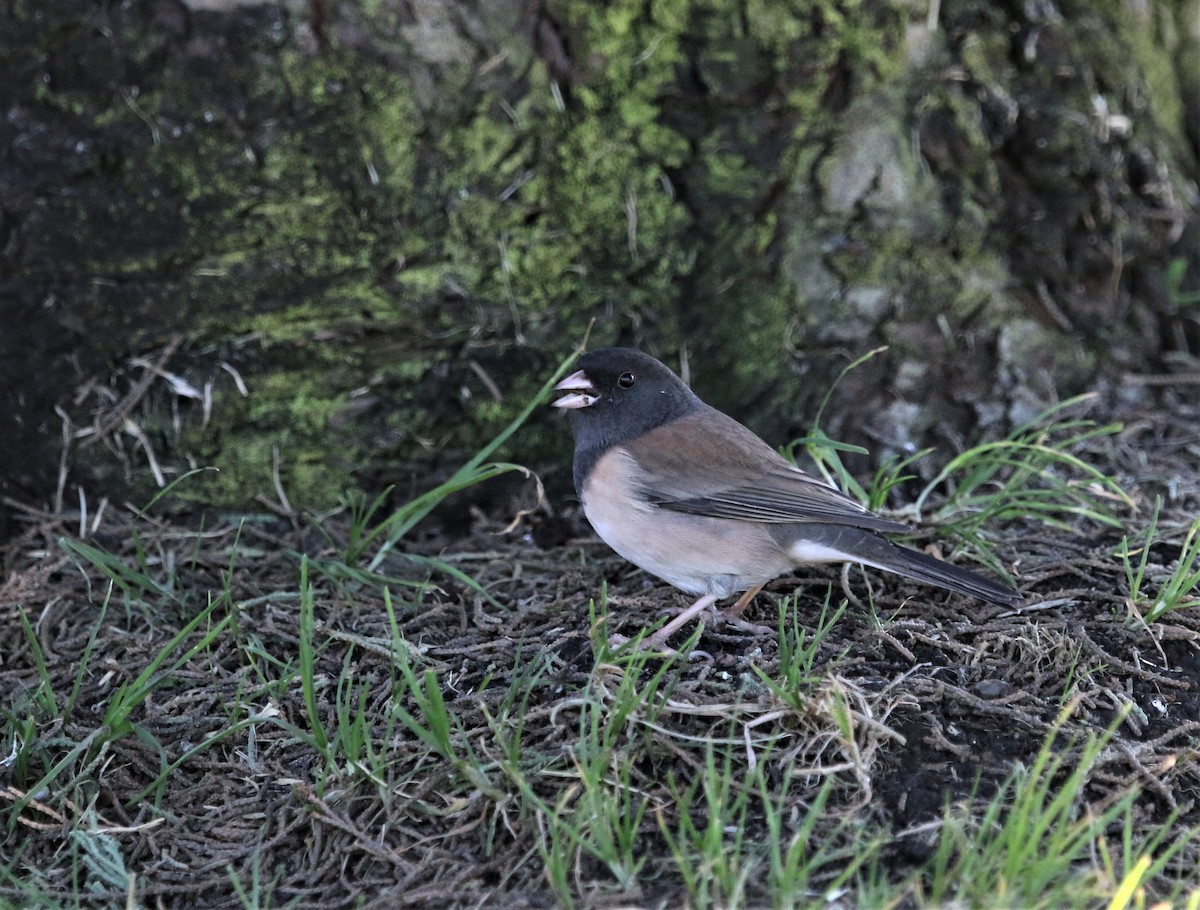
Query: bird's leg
point(658, 641)
point(733, 615)
point(742, 602)
point(659, 638)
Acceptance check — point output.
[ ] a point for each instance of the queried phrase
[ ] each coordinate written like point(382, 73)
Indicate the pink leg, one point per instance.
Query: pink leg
point(733, 615)
point(742, 602)
point(660, 637)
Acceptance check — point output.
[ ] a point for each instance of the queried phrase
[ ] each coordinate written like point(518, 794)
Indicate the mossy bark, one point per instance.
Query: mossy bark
point(389, 221)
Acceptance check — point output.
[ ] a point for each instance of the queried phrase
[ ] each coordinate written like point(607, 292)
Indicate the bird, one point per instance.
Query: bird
point(695, 498)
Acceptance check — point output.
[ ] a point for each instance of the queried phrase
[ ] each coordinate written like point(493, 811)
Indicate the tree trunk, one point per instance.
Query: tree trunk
point(364, 238)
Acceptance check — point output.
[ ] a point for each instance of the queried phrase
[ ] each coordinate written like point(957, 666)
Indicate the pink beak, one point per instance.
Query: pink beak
point(581, 392)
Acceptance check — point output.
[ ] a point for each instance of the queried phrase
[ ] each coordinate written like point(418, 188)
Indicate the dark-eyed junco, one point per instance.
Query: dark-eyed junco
point(692, 496)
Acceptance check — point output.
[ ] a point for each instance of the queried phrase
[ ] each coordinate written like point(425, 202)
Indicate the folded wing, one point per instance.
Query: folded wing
point(735, 475)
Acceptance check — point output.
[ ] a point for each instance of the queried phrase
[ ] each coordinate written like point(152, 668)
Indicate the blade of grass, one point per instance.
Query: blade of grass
point(823, 450)
point(132, 582)
point(1176, 592)
point(474, 471)
point(1034, 471)
point(43, 696)
point(307, 669)
point(1023, 848)
point(131, 694)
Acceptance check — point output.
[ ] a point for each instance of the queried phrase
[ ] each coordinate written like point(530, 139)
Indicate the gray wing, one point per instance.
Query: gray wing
point(709, 464)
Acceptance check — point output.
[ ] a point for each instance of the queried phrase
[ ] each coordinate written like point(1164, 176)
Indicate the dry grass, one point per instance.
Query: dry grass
point(236, 714)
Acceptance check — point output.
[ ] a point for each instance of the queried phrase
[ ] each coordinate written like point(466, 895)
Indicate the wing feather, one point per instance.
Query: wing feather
point(738, 476)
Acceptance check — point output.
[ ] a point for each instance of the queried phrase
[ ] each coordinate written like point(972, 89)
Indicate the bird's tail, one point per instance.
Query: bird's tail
point(922, 567)
point(867, 547)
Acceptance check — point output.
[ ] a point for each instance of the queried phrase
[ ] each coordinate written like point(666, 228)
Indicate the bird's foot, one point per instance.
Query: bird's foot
point(733, 614)
point(658, 640)
point(652, 644)
point(743, 625)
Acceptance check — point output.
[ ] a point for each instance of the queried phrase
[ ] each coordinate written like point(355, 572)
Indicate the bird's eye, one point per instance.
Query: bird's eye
point(625, 380)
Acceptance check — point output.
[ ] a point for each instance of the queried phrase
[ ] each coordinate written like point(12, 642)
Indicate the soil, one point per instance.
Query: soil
point(948, 696)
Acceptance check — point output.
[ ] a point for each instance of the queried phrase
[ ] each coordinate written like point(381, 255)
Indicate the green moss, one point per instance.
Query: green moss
point(315, 201)
point(1118, 32)
point(286, 419)
point(368, 227)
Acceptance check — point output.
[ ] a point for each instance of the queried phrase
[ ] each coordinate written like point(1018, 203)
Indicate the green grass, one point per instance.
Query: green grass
point(621, 776)
point(1037, 843)
point(1042, 471)
point(1023, 849)
point(760, 795)
point(1173, 275)
point(799, 647)
point(1174, 588)
point(50, 764)
point(1036, 472)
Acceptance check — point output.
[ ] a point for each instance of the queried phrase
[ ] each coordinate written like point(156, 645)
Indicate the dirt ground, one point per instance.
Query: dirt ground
point(958, 692)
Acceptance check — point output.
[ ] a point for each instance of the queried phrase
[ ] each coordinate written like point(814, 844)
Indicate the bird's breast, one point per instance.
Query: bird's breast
point(695, 553)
